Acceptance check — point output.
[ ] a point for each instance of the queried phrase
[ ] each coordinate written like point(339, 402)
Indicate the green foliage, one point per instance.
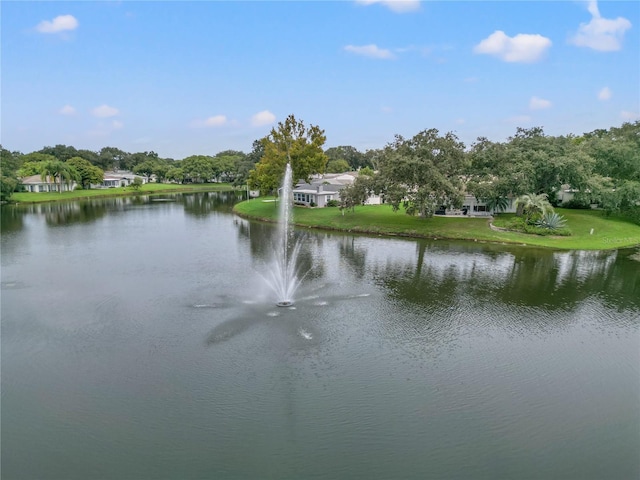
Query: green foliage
point(7, 187)
point(89, 174)
point(136, 184)
point(175, 174)
point(366, 172)
point(291, 142)
point(551, 221)
point(60, 152)
point(337, 166)
point(423, 172)
point(332, 203)
point(496, 204)
point(9, 162)
point(145, 168)
point(533, 205)
point(350, 155)
point(198, 168)
point(577, 204)
point(60, 171)
point(30, 168)
point(356, 193)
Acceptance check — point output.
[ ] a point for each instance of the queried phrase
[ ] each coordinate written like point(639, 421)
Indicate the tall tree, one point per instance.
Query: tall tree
point(112, 158)
point(197, 168)
point(291, 142)
point(424, 172)
point(89, 174)
point(61, 152)
point(55, 169)
point(349, 154)
point(9, 166)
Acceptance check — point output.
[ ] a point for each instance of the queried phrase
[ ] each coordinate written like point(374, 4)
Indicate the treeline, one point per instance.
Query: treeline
point(421, 173)
point(601, 167)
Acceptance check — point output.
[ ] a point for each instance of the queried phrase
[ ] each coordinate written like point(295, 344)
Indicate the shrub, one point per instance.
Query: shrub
point(332, 203)
point(536, 230)
point(576, 204)
point(551, 221)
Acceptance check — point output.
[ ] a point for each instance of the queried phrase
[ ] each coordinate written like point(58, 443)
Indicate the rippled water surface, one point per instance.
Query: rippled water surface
point(140, 342)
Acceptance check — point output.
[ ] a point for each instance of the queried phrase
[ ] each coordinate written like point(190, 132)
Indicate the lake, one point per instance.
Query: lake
point(140, 341)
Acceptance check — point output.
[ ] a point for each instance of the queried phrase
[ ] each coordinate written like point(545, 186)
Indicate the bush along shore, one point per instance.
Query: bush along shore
point(589, 229)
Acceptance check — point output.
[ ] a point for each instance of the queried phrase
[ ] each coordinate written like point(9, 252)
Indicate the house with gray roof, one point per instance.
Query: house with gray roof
point(35, 183)
point(324, 188)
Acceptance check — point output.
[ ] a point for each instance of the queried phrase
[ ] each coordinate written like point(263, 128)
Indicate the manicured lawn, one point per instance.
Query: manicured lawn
point(147, 189)
point(608, 232)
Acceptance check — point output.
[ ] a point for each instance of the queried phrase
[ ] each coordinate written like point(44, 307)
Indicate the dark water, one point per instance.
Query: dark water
point(139, 342)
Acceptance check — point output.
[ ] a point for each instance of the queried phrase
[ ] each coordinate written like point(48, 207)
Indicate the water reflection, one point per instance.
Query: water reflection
point(441, 275)
point(261, 238)
point(200, 204)
point(89, 210)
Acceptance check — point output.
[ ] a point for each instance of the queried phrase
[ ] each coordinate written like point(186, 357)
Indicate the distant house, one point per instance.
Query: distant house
point(324, 188)
point(35, 183)
point(315, 194)
point(477, 208)
point(118, 179)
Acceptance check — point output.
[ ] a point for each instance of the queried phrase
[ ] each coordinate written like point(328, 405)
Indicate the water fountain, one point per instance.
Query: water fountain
point(283, 277)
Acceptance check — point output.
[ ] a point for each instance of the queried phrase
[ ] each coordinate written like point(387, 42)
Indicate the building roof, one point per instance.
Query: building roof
point(36, 180)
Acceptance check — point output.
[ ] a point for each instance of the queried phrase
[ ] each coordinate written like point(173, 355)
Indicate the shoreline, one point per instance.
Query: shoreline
point(76, 196)
point(553, 243)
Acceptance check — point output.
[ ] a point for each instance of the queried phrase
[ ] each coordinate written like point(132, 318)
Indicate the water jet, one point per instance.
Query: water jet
point(283, 278)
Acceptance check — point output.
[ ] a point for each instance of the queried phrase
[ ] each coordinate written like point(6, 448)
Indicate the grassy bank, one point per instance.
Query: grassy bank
point(608, 232)
point(146, 189)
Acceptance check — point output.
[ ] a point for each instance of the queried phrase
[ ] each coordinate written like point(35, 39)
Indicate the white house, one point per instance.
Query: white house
point(118, 179)
point(315, 194)
point(324, 188)
point(35, 183)
point(476, 208)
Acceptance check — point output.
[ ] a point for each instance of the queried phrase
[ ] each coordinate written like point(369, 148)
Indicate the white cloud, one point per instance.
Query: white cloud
point(604, 94)
point(262, 118)
point(67, 110)
point(601, 34)
point(59, 24)
point(104, 111)
point(537, 103)
point(385, 109)
point(629, 116)
point(117, 125)
point(215, 121)
point(371, 51)
point(524, 47)
point(398, 6)
point(460, 121)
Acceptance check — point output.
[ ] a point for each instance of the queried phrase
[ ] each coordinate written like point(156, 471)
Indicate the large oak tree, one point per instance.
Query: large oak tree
point(291, 142)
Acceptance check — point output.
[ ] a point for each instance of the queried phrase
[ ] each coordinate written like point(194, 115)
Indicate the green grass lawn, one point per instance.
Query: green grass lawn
point(147, 189)
point(608, 232)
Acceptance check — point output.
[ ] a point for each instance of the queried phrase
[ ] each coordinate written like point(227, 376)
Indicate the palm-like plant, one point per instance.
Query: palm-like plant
point(552, 221)
point(533, 204)
point(496, 204)
point(55, 169)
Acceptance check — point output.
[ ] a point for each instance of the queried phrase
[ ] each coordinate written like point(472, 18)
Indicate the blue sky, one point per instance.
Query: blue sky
point(185, 78)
